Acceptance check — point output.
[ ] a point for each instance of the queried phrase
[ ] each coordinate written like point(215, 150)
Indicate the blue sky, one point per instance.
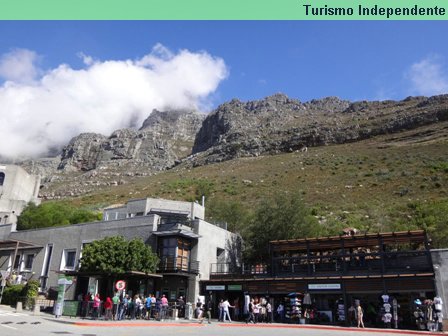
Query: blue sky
point(306, 60)
point(61, 78)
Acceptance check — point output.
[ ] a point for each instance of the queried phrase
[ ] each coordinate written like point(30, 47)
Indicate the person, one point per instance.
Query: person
point(123, 307)
point(251, 316)
point(148, 302)
point(352, 315)
point(280, 312)
point(220, 310)
point(96, 306)
point(85, 305)
point(108, 309)
point(199, 311)
point(138, 307)
point(181, 306)
point(208, 310)
point(225, 309)
point(164, 302)
point(256, 310)
point(269, 312)
point(115, 303)
point(360, 313)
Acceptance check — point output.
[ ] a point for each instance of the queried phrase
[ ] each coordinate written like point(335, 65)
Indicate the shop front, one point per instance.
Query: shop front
point(325, 280)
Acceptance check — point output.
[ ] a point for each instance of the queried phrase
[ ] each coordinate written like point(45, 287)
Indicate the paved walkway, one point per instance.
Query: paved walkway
point(76, 321)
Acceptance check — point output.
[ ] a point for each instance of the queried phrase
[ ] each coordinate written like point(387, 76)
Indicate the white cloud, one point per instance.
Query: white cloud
point(428, 77)
point(102, 97)
point(19, 66)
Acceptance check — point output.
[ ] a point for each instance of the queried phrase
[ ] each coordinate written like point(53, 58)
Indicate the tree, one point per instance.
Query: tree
point(430, 216)
point(116, 255)
point(53, 214)
point(283, 217)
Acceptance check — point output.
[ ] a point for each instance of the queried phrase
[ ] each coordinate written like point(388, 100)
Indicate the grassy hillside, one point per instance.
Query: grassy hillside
point(375, 184)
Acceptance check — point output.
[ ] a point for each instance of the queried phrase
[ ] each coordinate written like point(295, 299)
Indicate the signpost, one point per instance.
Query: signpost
point(59, 306)
point(120, 285)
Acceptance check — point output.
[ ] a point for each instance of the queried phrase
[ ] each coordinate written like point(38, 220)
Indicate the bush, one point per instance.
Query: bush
point(12, 294)
point(30, 292)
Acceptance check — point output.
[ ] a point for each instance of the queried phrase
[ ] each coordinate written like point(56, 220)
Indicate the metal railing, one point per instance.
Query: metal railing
point(346, 264)
point(178, 264)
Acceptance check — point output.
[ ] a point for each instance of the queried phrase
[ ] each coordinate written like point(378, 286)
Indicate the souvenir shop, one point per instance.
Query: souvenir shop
point(388, 277)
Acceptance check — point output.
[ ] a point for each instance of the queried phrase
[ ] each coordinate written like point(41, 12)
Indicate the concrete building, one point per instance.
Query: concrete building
point(185, 242)
point(17, 188)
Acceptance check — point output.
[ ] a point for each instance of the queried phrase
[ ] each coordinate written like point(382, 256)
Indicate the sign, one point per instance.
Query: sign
point(65, 281)
point(120, 285)
point(220, 287)
point(324, 286)
point(58, 307)
point(234, 287)
point(71, 308)
point(5, 274)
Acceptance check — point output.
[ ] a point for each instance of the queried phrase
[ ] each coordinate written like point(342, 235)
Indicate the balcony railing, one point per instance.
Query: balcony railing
point(334, 265)
point(175, 265)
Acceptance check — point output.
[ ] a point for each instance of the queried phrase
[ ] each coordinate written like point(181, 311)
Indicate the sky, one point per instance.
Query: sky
point(61, 78)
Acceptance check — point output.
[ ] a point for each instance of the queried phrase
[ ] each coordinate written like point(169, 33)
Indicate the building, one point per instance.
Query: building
point(17, 188)
point(335, 272)
point(185, 243)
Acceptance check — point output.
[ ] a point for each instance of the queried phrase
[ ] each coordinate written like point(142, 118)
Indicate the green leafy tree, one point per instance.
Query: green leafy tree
point(430, 216)
point(116, 255)
point(283, 217)
point(53, 214)
point(235, 214)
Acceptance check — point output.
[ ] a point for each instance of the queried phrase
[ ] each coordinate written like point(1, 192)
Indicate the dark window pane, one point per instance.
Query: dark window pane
point(2, 178)
point(29, 261)
point(70, 259)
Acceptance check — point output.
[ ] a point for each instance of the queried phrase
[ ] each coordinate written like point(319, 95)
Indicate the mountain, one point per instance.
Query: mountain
point(276, 124)
point(280, 124)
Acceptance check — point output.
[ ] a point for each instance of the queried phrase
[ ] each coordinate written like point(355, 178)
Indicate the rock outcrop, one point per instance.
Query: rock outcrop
point(280, 124)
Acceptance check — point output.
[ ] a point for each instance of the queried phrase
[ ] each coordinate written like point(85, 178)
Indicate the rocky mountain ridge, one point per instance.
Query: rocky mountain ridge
point(279, 124)
point(235, 129)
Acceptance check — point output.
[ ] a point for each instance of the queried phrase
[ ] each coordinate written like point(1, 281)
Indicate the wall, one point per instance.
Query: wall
point(145, 205)
point(73, 236)
point(440, 262)
point(18, 184)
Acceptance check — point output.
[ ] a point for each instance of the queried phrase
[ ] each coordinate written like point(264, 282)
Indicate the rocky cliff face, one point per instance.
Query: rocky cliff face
point(164, 138)
point(235, 129)
point(280, 124)
point(91, 160)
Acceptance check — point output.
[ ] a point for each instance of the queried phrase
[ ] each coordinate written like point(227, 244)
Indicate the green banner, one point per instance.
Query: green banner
point(224, 10)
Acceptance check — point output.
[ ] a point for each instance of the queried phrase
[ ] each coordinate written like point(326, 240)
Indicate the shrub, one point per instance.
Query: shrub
point(12, 294)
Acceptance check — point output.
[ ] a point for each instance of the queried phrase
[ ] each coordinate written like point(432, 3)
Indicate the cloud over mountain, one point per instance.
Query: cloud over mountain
point(41, 110)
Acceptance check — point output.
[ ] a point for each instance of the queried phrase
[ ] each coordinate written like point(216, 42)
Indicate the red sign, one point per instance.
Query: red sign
point(120, 285)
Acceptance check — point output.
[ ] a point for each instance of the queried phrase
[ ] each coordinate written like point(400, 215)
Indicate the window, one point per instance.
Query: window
point(29, 259)
point(2, 178)
point(17, 261)
point(68, 260)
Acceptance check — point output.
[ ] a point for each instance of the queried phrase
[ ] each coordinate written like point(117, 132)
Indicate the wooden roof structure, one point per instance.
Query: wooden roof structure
point(13, 244)
point(346, 242)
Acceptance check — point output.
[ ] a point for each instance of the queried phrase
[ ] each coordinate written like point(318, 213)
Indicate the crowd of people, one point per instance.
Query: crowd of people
point(121, 307)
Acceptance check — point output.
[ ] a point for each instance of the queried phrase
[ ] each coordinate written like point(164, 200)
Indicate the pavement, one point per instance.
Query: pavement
point(24, 323)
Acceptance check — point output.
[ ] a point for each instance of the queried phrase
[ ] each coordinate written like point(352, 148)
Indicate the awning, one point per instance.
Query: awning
point(12, 244)
point(177, 232)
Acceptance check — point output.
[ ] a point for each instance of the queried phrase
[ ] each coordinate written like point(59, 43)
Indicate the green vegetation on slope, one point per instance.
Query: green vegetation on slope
point(54, 214)
point(394, 182)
